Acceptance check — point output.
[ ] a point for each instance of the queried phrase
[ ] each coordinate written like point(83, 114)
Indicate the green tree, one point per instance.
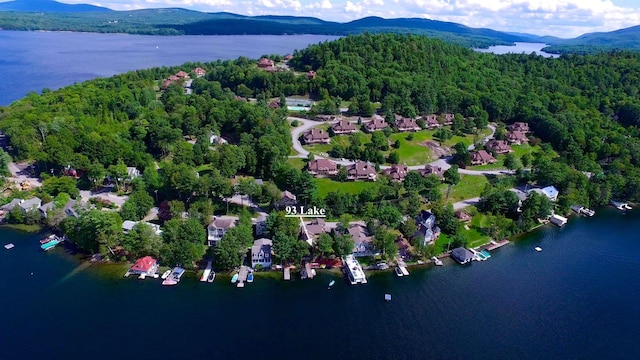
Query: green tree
point(141, 241)
point(385, 241)
point(342, 245)
point(511, 161)
point(325, 244)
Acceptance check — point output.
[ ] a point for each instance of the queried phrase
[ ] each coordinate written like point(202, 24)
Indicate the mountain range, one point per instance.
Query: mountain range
point(55, 16)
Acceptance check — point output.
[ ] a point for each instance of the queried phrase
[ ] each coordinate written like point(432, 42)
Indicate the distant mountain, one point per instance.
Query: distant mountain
point(48, 6)
point(623, 39)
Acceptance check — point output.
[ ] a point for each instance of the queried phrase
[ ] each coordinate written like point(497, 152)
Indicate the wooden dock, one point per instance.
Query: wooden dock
point(494, 245)
point(242, 276)
point(287, 273)
point(308, 272)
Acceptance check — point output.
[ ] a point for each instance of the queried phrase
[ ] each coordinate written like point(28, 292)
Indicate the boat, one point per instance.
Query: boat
point(436, 261)
point(166, 274)
point(206, 272)
point(486, 253)
point(250, 278)
point(50, 245)
point(174, 277)
point(354, 271)
point(331, 283)
point(211, 277)
point(142, 276)
point(588, 212)
point(9, 246)
point(234, 279)
point(582, 210)
point(538, 249)
point(387, 297)
point(621, 205)
point(399, 272)
point(48, 239)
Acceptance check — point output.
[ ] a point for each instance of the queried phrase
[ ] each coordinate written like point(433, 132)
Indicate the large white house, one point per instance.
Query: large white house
point(261, 253)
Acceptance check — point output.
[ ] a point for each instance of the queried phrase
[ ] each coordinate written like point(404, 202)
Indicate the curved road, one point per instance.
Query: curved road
point(307, 124)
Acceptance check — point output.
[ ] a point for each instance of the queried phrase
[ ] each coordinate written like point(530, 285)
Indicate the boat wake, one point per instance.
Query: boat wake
point(74, 272)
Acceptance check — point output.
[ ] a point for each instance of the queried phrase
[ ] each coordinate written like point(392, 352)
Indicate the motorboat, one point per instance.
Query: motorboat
point(166, 274)
point(234, 279)
point(331, 283)
point(250, 278)
point(436, 261)
point(174, 277)
point(399, 272)
point(212, 276)
point(538, 249)
point(48, 239)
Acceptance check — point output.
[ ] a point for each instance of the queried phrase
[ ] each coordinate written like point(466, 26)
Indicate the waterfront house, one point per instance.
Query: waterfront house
point(265, 63)
point(259, 224)
point(516, 138)
point(182, 75)
point(71, 208)
point(377, 123)
point(550, 192)
point(146, 265)
point(261, 253)
point(30, 204)
point(361, 171)
point(432, 170)
point(431, 121)
point(482, 157)
point(462, 255)
point(322, 167)
point(397, 172)
point(128, 225)
point(165, 84)
point(316, 136)
point(287, 57)
point(427, 231)
point(406, 124)
point(498, 146)
point(362, 240)
point(173, 78)
point(200, 72)
point(309, 232)
point(343, 127)
point(9, 206)
point(286, 199)
point(45, 208)
point(426, 218)
point(519, 126)
point(219, 226)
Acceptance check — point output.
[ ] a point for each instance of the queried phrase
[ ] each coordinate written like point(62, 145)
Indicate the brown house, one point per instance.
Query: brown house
point(516, 138)
point(377, 123)
point(431, 121)
point(183, 75)
point(519, 126)
point(447, 119)
point(265, 63)
point(309, 232)
point(432, 170)
point(166, 84)
point(362, 171)
point(173, 78)
point(322, 167)
point(274, 104)
point(481, 157)
point(316, 136)
point(498, 146)
point(344, 127)
point(397, 172)
point(406, 124)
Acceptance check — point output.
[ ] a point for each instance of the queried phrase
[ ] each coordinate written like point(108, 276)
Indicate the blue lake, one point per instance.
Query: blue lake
point(519, 48)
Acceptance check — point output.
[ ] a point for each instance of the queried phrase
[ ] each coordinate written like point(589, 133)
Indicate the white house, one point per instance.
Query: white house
point(261, 253)
point(128, 225)
point(550, 192)
point(219, 226)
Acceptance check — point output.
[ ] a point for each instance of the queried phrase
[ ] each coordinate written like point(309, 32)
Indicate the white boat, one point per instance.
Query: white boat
point(166, 274)
point(399, 272)
point(174, 277)
point(354, 270)
point(9, 246)
point(211, 277)
point(436, 261)
point(142, 276)
point(387, 297)
point(538, 249)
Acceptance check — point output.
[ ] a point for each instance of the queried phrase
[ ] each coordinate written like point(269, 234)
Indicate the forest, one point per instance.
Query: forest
point(583, 109)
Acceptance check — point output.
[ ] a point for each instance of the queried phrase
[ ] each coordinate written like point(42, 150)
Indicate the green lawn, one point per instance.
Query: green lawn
point(518, 150)
point(326, 186)
point(470, 186)
point(297, 163)
point(413, 152)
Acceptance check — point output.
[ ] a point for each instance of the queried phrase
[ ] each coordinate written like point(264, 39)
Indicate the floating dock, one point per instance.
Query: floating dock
point(404, 270)
point(9, 246)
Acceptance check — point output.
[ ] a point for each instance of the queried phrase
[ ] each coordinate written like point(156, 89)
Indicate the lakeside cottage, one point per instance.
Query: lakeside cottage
point(550, 192)
point(24, 205)
point(361, 170)
point(219, 226)
point(322, 167)
point(397, 172)
point(265, 63)
point(344, 127)
point(362, 240)
point(516, 138)
point(261, 253)
point(498, 146)
point(286, 199)
point(406, 124)
point(482, 157)
point(316, 136)
point(200, 72)
point(427, 231)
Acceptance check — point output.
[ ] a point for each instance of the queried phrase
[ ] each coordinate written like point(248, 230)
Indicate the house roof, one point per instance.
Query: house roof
point(425, 215)
point(481, 155)
point(550, 191)
point(225, 222)
point(261, 244)
point(128, 225)
point(376, 123)
point(144, 264)
point(11, 205)
point(461, 254)
point(30, 203)
point(516, 136)
point(498, 145)
point(46, 207)
point(361, 168)
point(397, 172)
point(432, 170)
point(316, 134)
point(406, 123)
point(343, 125)
point(359, 233)
point(321, 164)
point(288, 195)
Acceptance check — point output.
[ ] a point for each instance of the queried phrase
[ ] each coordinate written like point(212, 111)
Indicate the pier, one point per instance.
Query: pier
point(495, 245)
point(287, 274)
point(307, 272)
point(242, 276)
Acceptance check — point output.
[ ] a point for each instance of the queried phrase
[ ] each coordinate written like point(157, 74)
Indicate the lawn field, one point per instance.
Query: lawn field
point(470, 186)
point(326, 186)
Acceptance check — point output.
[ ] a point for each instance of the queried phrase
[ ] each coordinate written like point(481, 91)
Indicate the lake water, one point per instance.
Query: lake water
point(577, 299)
point(519, 48)
point(31, 61)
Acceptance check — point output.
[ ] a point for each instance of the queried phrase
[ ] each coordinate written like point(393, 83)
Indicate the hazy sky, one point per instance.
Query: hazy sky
point(563, 18)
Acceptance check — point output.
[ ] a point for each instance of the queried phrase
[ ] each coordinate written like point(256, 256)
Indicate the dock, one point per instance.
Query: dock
point(287, 274)
point(242, 276)
point(307, 272)
point(206, 272)
point(558, 220)
point(495, 245)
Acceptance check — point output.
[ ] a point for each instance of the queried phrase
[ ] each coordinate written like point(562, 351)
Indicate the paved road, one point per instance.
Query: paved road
point(464, 203)
point(115, 199)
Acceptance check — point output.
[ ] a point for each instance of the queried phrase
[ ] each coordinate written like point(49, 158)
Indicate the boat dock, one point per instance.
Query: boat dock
point(206, 272)
point(581, 210)
point(287, 274)
point(558, 220)
point(495, 245)
point(242, 276)
point(307, 272)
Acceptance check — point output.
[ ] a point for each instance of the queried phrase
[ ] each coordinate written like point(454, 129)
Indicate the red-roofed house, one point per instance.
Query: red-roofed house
point(183, 75)
point(397, 172)
point(344, 127)
point(165, 84)
point(482, 157)
point(265, 63)
point(200, 72)
point(146, 265)
point(516, 138)
point(377, 123)
point(173, 78)
point(407, 124)
point(322, 167)
point(316, 136)
point(361, 171)
point(499, 146)
point(274, 104)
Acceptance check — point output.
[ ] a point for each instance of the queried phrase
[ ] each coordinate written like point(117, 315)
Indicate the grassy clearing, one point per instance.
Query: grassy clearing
point(297, 163)
point(470, 186)
point(35, 228)
point(413, 152)
point(326, 186)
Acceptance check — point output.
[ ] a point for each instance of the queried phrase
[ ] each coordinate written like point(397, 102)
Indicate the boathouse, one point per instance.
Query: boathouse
point(462, 255)
point(146, 265)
